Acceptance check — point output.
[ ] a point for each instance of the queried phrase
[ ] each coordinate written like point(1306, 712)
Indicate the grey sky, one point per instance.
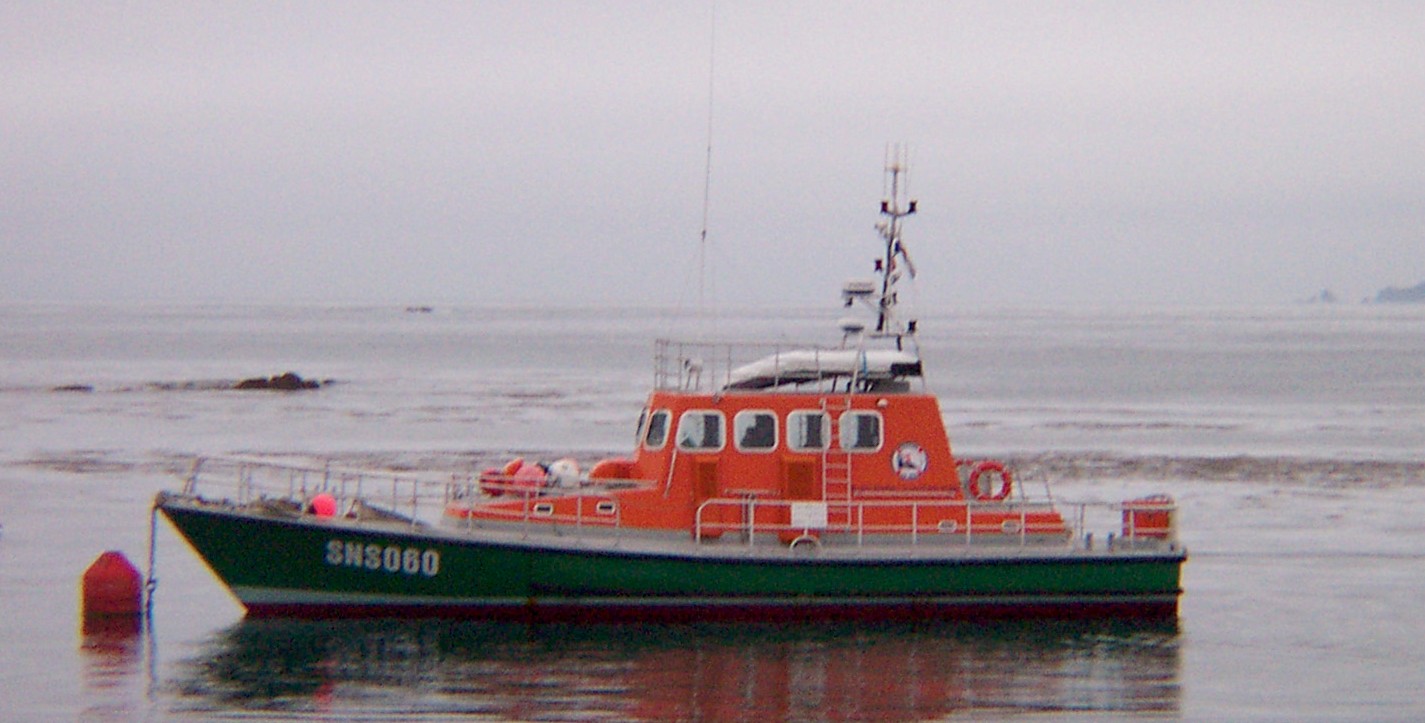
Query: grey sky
point(482, 152)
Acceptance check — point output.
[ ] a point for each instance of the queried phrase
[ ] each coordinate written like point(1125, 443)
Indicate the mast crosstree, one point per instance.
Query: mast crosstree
point(895, 265)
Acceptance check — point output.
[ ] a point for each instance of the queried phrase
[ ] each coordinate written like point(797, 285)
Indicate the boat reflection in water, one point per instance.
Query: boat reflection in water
point(717, 672)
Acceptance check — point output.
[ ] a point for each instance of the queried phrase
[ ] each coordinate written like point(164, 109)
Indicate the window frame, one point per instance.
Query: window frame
point(721, 431)
point(825, 430)
point(737, 432)
point(842, 420)
point(648, 425)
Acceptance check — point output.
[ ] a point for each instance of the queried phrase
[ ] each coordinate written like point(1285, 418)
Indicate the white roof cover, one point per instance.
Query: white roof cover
point(795, 367)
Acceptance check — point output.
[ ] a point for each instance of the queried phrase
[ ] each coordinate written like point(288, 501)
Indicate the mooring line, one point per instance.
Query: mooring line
point(150, 582)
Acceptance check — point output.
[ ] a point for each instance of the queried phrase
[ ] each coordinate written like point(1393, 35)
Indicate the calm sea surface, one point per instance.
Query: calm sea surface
point(1292, 437)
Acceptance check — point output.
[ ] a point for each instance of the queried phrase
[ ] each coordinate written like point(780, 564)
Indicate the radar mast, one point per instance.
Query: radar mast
point(882, 293)
point(896, 263)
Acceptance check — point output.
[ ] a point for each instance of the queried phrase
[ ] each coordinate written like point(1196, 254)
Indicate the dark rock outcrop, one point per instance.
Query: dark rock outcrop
point(282, 382)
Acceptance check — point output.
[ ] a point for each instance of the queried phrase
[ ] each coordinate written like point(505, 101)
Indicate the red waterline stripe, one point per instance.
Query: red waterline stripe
point(1156, 608)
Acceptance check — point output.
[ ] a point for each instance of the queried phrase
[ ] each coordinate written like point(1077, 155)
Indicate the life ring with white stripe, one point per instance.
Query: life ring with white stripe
point(1006, 481)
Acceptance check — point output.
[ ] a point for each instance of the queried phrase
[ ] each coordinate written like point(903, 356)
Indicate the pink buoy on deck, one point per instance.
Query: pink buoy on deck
point(112, 587)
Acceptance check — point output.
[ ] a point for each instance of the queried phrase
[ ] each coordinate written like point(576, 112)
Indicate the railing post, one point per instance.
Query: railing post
point(190, 485)
point(360, 490)
point(751, 521)
point(524, 494)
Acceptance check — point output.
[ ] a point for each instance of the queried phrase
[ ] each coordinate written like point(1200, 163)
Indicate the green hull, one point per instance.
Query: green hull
point(302, 567)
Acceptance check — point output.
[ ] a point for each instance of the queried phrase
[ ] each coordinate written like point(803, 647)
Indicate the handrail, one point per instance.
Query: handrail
point(375, 495)
point(289, 489)
point(1144, 522)
point(688, 365)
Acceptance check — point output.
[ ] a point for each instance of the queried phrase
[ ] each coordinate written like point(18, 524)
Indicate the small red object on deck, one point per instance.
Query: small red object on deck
point(323, 505)
point(112, 586)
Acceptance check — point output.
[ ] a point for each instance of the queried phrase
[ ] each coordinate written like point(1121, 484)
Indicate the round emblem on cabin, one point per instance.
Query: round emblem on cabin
point(909, 461)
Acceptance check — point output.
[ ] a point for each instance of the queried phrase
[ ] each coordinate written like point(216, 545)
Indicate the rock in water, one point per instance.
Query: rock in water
point(287, 382)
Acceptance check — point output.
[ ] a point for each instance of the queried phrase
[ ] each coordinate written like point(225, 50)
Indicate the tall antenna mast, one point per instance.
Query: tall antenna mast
point(707, 165)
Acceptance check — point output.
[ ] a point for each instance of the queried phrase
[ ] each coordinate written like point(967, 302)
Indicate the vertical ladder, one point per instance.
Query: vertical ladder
point(836, 466)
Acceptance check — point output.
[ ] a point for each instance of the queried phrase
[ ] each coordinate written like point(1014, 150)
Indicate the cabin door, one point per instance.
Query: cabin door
point(799, 480)
point(705, 479)
point(705, 487)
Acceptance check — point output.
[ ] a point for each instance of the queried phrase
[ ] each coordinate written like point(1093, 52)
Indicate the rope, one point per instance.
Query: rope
point(151, 582)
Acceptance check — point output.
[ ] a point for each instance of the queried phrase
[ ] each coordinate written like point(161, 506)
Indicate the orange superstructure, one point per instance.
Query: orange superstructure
point(869, 454)
point(803, 447)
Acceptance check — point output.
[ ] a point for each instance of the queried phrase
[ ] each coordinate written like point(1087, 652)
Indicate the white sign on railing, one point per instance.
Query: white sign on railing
point(809, 515)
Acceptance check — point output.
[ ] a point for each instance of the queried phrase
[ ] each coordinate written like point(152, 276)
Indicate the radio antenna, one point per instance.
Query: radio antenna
point(707, 166)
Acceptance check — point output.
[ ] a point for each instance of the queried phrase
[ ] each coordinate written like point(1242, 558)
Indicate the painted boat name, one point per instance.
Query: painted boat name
point(390, 558)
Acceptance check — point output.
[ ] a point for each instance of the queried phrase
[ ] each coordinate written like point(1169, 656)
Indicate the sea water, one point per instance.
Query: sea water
point(1293, 439)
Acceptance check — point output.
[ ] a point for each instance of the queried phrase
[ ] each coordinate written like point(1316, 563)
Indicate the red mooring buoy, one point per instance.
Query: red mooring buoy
point(112, 587)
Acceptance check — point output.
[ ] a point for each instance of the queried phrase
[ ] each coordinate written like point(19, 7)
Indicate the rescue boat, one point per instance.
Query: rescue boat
point(764, 483)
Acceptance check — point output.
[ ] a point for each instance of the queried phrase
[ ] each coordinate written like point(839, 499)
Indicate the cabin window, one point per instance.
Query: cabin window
point(700, 431)
point(656, 429)
point(861, 431)
point(806, 431)
point(755, 431)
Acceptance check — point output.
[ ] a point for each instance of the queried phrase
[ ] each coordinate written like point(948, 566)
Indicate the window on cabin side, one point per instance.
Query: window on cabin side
point(656, 432)
point(755, 431)
point(860, 431)
point(806, 431)
point(700, 431)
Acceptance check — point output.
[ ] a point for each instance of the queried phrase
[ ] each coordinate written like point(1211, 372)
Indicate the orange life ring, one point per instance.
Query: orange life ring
point(1006, 481)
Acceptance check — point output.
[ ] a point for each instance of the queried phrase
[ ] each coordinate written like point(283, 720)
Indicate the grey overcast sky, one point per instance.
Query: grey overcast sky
point(553, 152)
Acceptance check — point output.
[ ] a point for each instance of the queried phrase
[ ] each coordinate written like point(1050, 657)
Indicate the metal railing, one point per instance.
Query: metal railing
point(1141, 523)
point(369, 496)
point(708, 366)
point(360, 495)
